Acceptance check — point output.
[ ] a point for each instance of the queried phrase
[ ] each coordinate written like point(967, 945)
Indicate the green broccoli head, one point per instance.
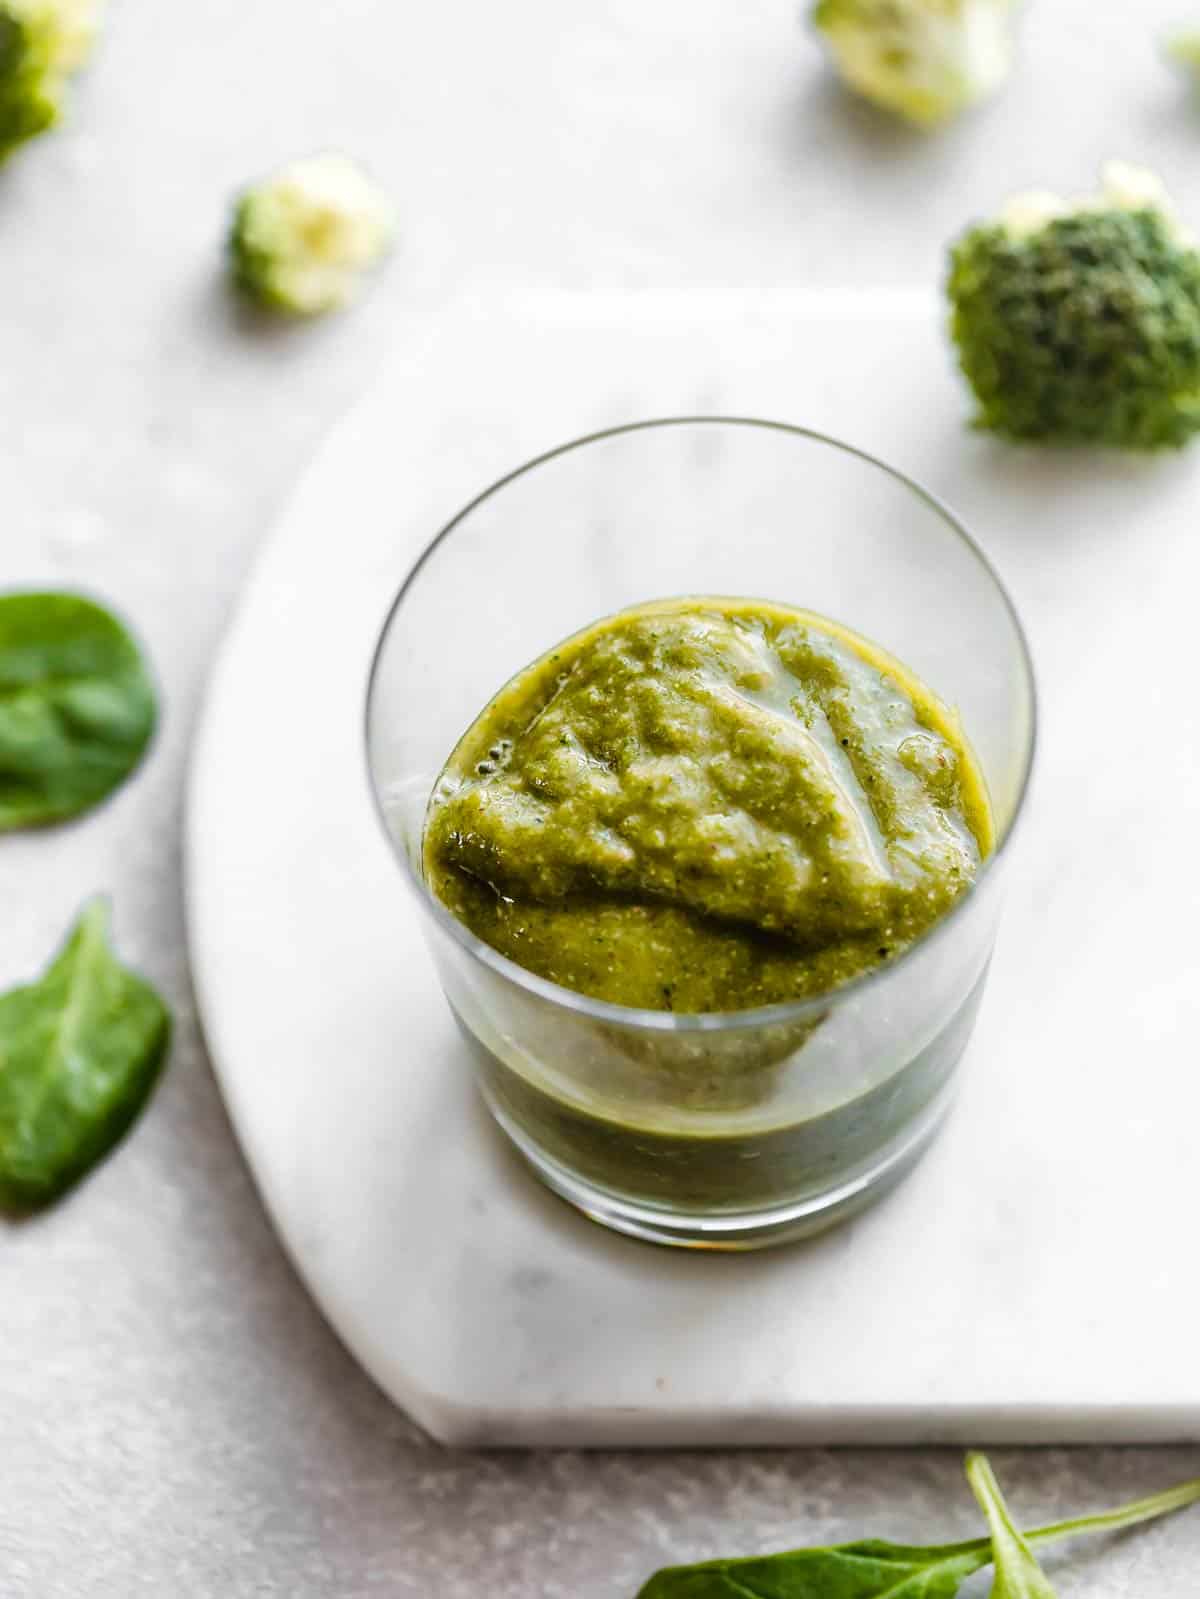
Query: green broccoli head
point(302, 239)
point(1080, 322)
point(926, 59)
point(42, 42)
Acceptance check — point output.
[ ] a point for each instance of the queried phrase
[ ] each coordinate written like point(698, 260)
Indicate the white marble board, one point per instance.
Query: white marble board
point(1035, 1280)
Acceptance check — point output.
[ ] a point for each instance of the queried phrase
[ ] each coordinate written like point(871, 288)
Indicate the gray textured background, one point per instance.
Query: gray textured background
point(175, 1418)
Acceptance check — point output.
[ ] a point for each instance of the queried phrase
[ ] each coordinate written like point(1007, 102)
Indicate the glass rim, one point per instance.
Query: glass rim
point(785, 1011)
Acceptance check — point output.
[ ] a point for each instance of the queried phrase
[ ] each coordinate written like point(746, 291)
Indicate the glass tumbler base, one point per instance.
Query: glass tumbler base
point(734, 1231)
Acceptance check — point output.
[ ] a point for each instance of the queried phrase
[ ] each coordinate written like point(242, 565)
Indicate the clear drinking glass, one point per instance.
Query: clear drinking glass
point(738, 1129)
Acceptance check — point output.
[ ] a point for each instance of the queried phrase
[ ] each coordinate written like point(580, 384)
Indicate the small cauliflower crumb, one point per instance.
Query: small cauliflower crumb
point(303, 238)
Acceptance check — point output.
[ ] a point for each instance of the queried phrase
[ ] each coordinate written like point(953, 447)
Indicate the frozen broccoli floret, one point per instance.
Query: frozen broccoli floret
point(926, 59)
point(302, 239)
point(1080, 321)
point(42, 42)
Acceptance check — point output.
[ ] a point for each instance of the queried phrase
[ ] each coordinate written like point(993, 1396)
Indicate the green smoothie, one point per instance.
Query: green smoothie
point(708, 805)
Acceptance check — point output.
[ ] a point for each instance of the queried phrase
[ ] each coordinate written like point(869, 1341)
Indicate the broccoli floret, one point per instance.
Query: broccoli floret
point(302, 239)
point(1081, 321)
point(42, 42)
point(926, 59)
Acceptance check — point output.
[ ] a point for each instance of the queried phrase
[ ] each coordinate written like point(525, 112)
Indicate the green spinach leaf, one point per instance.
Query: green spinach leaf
point(1018, 1575)
point(874, 1570)
point(866, 1570)
point(80, 1050)
point(77, 707)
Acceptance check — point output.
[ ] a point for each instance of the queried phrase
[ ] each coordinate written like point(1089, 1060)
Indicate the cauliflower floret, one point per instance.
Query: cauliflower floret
point(926, 59)
point(303, 238)
point(42, 42)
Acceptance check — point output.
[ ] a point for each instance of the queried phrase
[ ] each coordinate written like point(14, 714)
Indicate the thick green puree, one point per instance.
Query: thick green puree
point(707, 805)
